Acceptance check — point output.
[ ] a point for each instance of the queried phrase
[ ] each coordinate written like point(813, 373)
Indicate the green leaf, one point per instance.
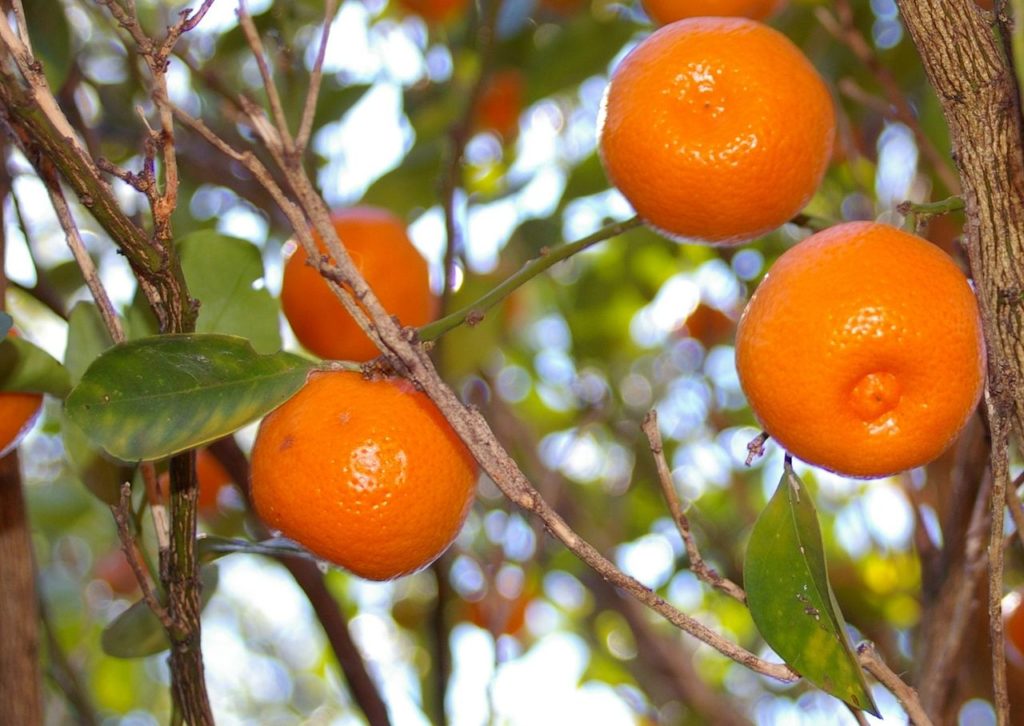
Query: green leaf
point(6, 323)
point(87, 338)
point(27, 368)
point(50, 34)
point(101, 475)
point(154, 397)
point(220, 272)
point(137, 632)
point(791, 600)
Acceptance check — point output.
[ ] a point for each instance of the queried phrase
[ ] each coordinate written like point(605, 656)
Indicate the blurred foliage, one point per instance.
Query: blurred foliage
point(564, 369)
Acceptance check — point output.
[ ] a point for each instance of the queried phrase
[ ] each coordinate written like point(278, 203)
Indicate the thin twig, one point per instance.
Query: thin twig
point(755, 447)
point(273, 97)
point(473, 313)
point(122, 515)
point(998, 418)
point(845, 31)
point(697, 563)
point(869, 659)
point(315, 77)
point(74, 239)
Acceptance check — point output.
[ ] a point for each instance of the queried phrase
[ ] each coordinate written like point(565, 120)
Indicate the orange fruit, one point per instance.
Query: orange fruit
point(18, 411)
point(380, 248)
point(435, 11)
point(716, 129)
point(498, 614)
point(113, 569)
point(861, 351)
point(664, 12)
point(1013, 625)
point(500, 103)
point(365, 473)
point(709, 325)
point(211, 477)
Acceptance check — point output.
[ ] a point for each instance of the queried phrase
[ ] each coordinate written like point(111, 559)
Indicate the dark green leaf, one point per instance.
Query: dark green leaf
point(220, 272)
point(26, 368)
point(51, 40)
point(791, 600)
point(150, 398)
point(413, 185)
point(137, 632)
point(87, 338)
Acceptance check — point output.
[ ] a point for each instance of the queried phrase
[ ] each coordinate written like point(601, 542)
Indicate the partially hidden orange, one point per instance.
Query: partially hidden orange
point(501, 102)
point(664, 12)
point(211, 478)
point(861, 351)
point(366, 474)
point(435, 11)
point(18, 411)
point(379, 246)
point(716, 129)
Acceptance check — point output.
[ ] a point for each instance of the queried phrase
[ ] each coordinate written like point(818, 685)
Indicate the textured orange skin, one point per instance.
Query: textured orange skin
point(501, 102)
point(398, 274)
point(861, 351)
point(716, 129)
point(435, 11)
point(664, 12)
point(366, 474)
point(18, 411)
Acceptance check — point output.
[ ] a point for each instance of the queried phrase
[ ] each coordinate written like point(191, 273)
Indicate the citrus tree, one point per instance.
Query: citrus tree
point(529, 361)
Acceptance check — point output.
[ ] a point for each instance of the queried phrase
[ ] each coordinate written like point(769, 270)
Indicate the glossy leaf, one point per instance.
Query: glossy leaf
point(27, 368)
point(150, 398)
point(791, 600)
point(137, 632)
point(221, 272)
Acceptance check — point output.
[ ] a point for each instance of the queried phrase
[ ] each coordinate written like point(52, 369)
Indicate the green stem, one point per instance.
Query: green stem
point(473, 313)
point(945, 206)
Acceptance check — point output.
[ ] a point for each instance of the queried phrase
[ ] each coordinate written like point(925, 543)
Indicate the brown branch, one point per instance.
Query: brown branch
point(315, 77)
point(1015, 506)
point(122, 515)
point(907, 696)
point(999, 424)
point(20, 687)
point(699, 567)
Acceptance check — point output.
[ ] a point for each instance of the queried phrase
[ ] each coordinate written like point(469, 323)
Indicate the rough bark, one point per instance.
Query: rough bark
point(20, 685)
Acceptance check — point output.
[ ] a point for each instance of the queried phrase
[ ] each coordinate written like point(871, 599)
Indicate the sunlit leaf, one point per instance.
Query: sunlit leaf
point(137, 632)
point(791, 600)
point(221, 272)
point(150, 398)
point(27, 368)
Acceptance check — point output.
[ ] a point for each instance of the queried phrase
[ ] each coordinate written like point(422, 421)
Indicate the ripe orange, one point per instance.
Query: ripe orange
point(861, 351)
point(709, 325)
point(435, 11)
point(664, 12)
point(716, 129)
point(501, 102)
point(365, 473)
point(18, 411)
point(396, 271)
point(211, 477)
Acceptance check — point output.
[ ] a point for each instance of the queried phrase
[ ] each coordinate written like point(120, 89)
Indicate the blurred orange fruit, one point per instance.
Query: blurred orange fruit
point(501, 102)
point(497, 614)
point(664, 12)
point(113, 569)
point(861, 351)
point(18, 411)
point(709, 325)
point(380, 248)
point(211, 477)
point(716, 129)
point(435, 11)
point(364, 473)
